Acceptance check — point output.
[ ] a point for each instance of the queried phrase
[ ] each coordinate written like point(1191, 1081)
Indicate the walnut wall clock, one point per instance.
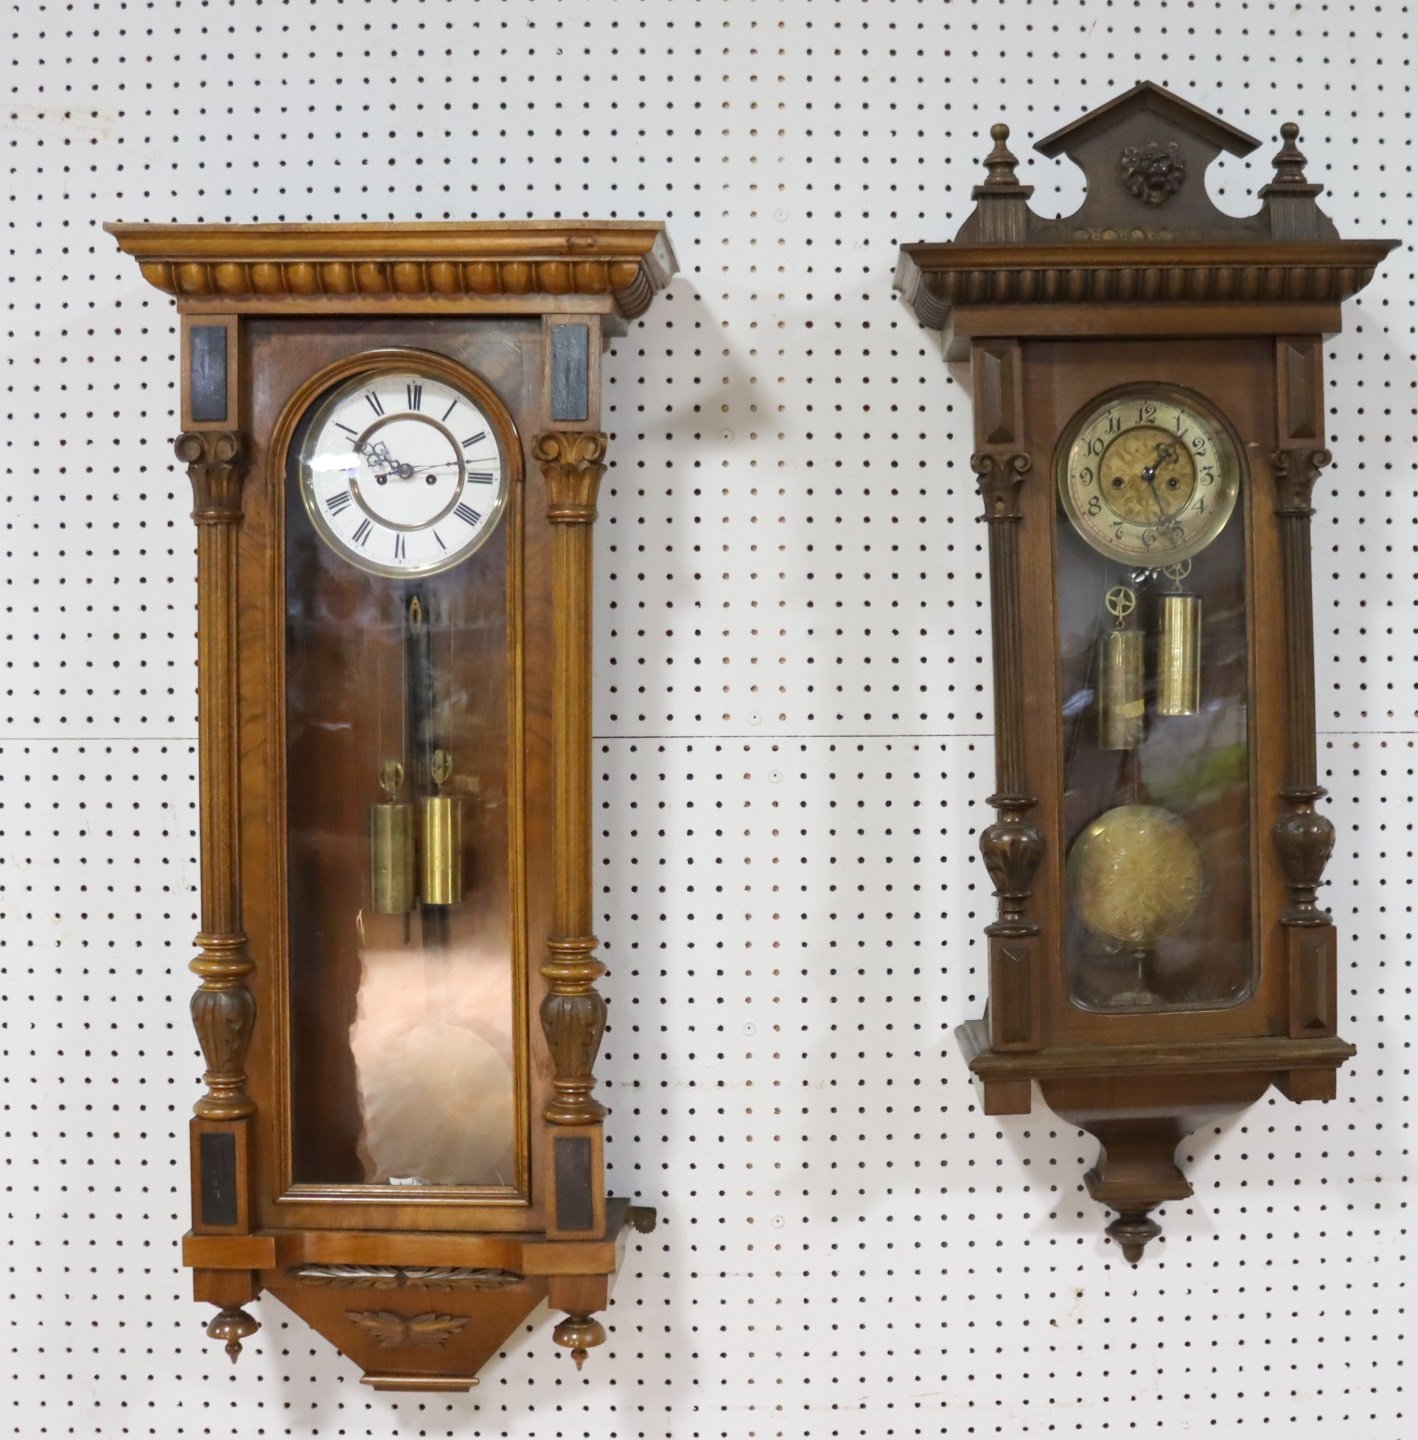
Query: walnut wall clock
point(1146, 378)
point(391, 432)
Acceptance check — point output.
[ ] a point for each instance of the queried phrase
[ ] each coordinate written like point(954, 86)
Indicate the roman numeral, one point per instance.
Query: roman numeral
point(399, 545)
point(361, 536)
point(466, 512)
point(439, 538)
point(349, 430)
point(450, 409)
point(374, 402)
point(480, 477)
point(415, 397)
point(474, 439)
point(335, 503)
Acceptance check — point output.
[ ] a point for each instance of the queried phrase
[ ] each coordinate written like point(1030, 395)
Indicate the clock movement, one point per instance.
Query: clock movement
point(1147, 386)
point(392, 433)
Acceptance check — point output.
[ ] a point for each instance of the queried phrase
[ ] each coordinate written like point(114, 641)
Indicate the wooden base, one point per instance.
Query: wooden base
point(1140, 1102)
point(415, 1312)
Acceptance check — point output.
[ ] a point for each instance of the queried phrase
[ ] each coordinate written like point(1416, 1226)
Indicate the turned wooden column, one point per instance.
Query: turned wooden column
point(573, 1014)
point(1013, 845)
point(223, 1011)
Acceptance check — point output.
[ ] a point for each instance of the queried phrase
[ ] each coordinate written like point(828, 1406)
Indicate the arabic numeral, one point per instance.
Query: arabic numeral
point(1095, 504)
point(1085, 475)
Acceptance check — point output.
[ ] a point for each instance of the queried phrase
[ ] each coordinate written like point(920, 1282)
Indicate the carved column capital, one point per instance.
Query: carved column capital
point(216, 466)
point(999, 477)
point(1295, 474)
point(573, 462)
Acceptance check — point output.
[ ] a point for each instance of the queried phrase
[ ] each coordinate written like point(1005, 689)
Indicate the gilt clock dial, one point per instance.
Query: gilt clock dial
point(401, 471)
point(1148, 475)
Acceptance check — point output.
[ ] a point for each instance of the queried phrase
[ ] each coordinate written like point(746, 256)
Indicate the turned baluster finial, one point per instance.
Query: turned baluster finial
point(1289, 163)
point(1000, 162)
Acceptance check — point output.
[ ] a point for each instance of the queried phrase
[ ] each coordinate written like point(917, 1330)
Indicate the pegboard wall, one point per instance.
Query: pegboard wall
point(792, 731)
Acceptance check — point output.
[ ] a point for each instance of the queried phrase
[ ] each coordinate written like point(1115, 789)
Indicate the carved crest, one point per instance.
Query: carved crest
point(1154, 172)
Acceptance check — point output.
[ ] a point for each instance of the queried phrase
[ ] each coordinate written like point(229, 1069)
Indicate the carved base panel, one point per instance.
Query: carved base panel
point(411, 1337)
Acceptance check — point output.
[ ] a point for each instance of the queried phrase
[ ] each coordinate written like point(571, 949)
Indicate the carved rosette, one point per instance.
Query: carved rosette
point(223, 1011)
point(573, 1014)
point(1303, 837)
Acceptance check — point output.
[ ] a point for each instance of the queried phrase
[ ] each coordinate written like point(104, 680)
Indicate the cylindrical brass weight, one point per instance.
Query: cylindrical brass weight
point(1121, 703)
point(1179, 655)
point(391, 857)
point(441, 858)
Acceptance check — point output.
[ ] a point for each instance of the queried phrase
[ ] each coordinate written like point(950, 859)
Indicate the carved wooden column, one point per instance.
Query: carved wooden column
point(223, 1010)
point(1013, 846)
point(573, 1014)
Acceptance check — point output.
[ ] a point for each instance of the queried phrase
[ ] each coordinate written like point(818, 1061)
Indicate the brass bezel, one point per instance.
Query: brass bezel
point(1205, 413)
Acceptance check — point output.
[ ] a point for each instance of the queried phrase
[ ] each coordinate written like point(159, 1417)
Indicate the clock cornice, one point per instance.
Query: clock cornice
point(609, 267)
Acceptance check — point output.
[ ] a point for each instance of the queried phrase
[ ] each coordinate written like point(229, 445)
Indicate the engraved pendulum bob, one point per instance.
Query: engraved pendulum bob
point(1121, 702)
point(391, 846)
point(441, 827)
point(1178, 647)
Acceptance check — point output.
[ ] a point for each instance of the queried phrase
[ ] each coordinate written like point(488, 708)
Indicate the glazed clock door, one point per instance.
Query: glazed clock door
point(402, 523)
point(1154, 664)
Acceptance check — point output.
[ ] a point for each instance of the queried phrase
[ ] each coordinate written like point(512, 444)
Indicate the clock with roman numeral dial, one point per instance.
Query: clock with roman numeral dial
point(1148, 474)
point(402, 469)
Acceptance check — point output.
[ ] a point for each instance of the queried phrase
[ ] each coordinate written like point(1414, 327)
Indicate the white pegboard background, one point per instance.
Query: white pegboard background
point(792, 722)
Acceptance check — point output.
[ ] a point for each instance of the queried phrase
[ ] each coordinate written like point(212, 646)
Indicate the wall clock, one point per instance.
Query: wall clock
point(392, 436)
point(1146, 379)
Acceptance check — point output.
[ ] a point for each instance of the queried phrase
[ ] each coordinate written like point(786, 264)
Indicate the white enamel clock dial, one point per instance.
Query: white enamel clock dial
point(402, 473)
point(1148, 475)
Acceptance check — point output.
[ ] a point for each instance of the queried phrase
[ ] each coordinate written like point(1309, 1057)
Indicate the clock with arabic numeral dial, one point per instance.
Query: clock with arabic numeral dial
point(401, 468)
point(1149, 474)
point(1146, 376)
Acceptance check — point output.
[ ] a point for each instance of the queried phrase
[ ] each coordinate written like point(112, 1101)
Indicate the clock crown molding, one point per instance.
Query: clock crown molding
point(606, 266)
point(1147, 231)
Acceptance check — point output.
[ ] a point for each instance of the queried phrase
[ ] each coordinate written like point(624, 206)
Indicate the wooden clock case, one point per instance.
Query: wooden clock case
point(1147, 282)
point(419, 1287)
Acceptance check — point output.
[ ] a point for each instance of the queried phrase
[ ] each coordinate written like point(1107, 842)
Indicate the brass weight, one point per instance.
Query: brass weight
point(391, 846)
point(1121, 701)
point(1178, 648)
point(441, 853)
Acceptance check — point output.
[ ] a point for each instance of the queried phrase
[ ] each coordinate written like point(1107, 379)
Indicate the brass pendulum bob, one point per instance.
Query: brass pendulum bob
point(1121, 702)
point(391, 846)
point(1178, 647)
point(442, 825)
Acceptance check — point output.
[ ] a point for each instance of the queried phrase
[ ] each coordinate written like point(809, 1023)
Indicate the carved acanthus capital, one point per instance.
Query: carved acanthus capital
point(1000, 477)
point(216, 465)
point(1295, 474)
point(573, 462)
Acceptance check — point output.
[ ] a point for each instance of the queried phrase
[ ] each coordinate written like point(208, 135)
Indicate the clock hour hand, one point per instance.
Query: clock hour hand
point(1165, 452)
